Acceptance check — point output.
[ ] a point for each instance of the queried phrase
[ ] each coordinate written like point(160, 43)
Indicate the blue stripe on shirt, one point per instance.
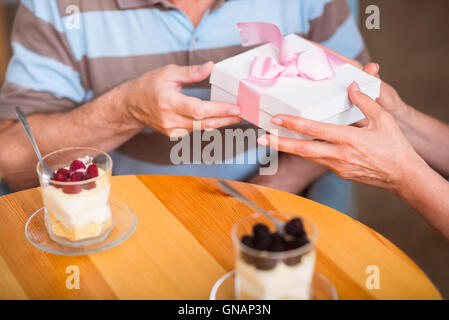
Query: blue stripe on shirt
point(32, 71)
point(219, 29)
point(127, 33)
point(347, 40)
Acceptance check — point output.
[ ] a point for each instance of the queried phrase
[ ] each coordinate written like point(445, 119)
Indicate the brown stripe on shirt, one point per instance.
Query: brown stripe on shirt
point(104, 74)
point(363, 57)
point(43, 39)
point(30, 101)
point(324, 27)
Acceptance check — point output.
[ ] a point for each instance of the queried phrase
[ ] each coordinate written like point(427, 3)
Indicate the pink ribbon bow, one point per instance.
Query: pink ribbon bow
point(315, 64)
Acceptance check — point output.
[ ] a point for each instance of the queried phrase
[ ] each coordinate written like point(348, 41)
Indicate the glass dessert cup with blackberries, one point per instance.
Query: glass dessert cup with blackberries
point(76, 198)
point(272, 265)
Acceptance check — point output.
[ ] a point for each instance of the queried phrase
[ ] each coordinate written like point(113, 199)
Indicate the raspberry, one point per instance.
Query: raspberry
point(91, 172)
point(90, 185)
point(64, 173)
point(77, 176)
point(294, 227)
point(72, 189)
point(77, 165)
point(59, 177)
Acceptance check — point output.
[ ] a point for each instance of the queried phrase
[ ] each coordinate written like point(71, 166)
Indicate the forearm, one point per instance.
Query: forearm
point(429, 137)
point(428, 193)
point(294, 174)
point(102, 123)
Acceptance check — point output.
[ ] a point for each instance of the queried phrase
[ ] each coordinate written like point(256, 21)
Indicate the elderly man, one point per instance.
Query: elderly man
point(124, 74)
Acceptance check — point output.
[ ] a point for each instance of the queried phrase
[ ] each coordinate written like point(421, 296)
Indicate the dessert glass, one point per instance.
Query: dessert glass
point(77, 213)
point(263, 275)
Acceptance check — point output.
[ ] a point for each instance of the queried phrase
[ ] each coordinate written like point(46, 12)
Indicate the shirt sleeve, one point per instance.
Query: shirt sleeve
point(42, 75)
point(331, 23)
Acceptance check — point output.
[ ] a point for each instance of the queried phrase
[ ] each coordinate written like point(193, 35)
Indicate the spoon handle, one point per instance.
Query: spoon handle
point(24, 121)
point(231, 191)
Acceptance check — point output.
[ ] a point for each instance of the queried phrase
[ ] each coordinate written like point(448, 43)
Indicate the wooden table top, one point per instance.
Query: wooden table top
point(182, 245)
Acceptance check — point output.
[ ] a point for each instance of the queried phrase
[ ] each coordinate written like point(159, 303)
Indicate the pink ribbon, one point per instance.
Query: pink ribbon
point(315, 64)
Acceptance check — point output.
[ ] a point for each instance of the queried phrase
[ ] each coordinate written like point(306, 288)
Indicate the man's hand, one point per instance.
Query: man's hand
point(155, 101)
point(378, 154)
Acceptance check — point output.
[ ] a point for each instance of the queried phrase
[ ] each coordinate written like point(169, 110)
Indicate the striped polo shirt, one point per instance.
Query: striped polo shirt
point(58, 65)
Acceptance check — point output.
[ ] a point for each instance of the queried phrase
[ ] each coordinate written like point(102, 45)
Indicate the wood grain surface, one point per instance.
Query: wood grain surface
point(182, 245)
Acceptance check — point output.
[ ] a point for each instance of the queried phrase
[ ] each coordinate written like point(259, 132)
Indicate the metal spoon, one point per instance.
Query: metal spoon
point(47, 171)
point(231, 191)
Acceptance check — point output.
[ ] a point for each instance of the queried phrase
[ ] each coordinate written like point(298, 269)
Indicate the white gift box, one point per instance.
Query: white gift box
point(324, 100)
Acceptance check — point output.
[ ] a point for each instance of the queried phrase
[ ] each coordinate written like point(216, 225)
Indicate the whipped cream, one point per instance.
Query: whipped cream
point(281, 282)
point(81, 208)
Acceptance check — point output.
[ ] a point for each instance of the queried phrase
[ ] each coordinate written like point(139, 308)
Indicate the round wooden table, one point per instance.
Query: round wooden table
point(182, 245)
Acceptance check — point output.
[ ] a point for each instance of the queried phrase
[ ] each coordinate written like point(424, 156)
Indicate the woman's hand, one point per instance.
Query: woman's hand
point(388, 99)
point(377, 154)
point(155, 101)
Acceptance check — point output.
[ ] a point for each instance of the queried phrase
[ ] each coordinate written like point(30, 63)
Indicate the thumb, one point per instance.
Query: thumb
point(372, 69)
point(190, 74)
point(370, 108)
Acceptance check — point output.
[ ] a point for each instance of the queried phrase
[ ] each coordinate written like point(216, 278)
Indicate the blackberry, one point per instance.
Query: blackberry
point(294, 227)
point(248, 241)
point(250, 259)
point(265, 263)
point(276, 238)
point(297, 242)
point(262, 241)
point(277, 243)
point(292, 261)
point(260, 230)
point(277, 247)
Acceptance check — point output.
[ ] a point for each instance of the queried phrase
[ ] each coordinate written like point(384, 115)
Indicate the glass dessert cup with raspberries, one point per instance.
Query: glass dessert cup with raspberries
point(274, 266)
point(76, 199)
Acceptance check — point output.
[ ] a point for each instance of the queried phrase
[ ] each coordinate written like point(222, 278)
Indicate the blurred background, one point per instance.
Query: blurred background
point(412, 48)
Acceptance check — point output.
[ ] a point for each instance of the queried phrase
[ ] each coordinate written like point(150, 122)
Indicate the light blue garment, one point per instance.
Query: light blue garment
point(354, 5)
point(334, 192)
